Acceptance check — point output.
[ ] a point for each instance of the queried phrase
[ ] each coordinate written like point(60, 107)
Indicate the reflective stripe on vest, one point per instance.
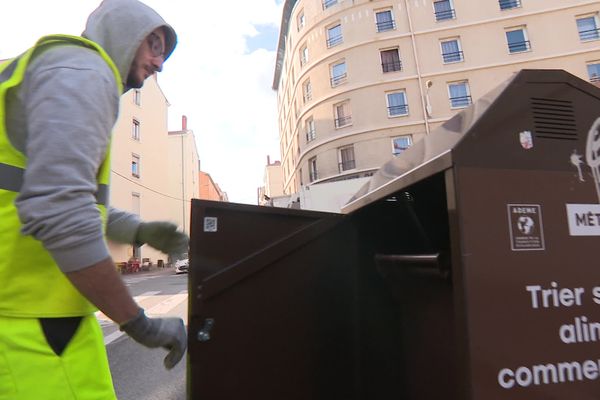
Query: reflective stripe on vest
point(11, 178)
point(32, 284)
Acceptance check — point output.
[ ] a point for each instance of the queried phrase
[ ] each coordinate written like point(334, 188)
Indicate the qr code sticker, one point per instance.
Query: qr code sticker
point(210, 224)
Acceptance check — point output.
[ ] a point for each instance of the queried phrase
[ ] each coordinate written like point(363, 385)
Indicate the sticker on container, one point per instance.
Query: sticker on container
point(210, 224)
point(584, 219)
point(577, 161)
point(525, 227)
point(526, 140)
point(592, 153)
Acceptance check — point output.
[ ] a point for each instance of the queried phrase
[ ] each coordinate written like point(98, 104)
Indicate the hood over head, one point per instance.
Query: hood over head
point(121, 26)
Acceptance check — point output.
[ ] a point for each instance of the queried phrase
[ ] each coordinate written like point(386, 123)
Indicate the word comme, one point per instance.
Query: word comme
point(545, 374)
point(580, 331)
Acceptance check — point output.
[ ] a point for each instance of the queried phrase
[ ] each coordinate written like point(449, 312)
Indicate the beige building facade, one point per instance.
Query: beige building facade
point(209, 189)
point(359, 81)
point(272, 184)
point(154, 171)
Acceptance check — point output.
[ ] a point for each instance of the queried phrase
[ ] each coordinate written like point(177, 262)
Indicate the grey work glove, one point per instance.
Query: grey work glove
point(168, 333)
point(163, 236)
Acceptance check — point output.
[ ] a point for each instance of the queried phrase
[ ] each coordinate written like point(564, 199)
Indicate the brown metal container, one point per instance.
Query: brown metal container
point(465, 269)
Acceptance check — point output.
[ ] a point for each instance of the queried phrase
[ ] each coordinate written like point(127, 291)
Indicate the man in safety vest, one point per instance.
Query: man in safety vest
point(58, 104)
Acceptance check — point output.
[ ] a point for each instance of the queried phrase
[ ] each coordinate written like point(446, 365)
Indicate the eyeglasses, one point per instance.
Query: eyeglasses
point(156, 45)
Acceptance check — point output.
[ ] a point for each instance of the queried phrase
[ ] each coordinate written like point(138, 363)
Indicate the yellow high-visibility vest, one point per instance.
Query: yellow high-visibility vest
point(31, 284)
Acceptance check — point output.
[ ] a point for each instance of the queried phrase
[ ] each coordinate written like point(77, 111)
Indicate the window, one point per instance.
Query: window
point(135, 130)
point(508, 4)
point(137, 97)
point(444, 9)
point(135, 165)
point(338, 73)
point(307, 91)
point(334, 35)
point(385, 21)
point(396, 104)
point(517, 41)
point(135, 203)
point(342, 115)
point(328, 3)
point(309, 128)
point(390, 60)
point(451, 51)
point(588, 28)
point(346, 159)
point(312, 169)
point(304, 55)
point(594, 71)
point(301, 20)
point(400, 143)
point(293, 75)
point(459, 94)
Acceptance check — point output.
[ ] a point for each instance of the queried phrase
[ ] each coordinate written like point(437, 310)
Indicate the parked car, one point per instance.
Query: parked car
point(181, 266)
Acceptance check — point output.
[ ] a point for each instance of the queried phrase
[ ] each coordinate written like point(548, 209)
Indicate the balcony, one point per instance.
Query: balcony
point(590, 34)
point(346, 165)
point(461, 101)
point(518, 47)
point(398, 110)
point(307, 97)
point(595, 78)
point(334, 40)
point(456, 56)
point(311, 135)
point(329, 3)
point(508, 4)
point(445, 14)
point(338, 80)
point(391, 66)
point(343, 121)
point(386, 26)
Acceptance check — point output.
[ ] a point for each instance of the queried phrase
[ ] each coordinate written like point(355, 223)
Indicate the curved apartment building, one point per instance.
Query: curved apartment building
point(358, 81)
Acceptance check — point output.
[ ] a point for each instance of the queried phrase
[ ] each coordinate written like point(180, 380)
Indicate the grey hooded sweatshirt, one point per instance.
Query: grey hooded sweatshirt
point(61, 118)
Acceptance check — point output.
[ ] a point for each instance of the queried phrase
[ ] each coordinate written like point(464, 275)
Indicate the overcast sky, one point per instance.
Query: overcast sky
point(220, 76)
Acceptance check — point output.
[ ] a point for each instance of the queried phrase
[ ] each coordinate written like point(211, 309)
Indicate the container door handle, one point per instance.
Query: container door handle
point(204, 333)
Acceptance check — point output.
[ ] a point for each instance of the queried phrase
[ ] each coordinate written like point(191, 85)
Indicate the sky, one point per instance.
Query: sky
point(220, 76)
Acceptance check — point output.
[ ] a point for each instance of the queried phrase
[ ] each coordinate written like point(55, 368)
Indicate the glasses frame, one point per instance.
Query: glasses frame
point(156, 45)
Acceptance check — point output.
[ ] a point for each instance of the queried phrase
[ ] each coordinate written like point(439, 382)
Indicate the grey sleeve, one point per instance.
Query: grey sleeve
point(71, 102)
point(122, 226)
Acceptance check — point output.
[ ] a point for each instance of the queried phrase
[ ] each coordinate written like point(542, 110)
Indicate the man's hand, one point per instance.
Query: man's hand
point(168, 333)
point(163, 236)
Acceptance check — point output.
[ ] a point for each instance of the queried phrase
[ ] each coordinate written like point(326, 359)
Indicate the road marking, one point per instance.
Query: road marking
point(158, 310)
point(167, 305)
point(138, 299)
point(129, 280)
point(112, 337)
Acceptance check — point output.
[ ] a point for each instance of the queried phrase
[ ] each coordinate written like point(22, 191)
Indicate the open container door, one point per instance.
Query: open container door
point(271, 303)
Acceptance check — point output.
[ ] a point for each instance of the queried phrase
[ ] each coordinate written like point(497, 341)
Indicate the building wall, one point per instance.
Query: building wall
point(272, 185)
point(183, 165)
point(209, 190)
point(273, 180)
point(155, 193)
point(480, 27)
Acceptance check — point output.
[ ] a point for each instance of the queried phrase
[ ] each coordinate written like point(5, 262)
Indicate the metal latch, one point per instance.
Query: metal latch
point(204, 333)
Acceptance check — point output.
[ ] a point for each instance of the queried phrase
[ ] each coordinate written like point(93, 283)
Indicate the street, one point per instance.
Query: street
point(138, 372)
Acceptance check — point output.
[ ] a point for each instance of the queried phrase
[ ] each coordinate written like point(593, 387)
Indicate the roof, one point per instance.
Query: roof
point(283, 30)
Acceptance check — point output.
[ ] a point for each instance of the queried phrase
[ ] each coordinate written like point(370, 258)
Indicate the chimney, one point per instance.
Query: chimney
point(183, 123)
point(268, 160)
